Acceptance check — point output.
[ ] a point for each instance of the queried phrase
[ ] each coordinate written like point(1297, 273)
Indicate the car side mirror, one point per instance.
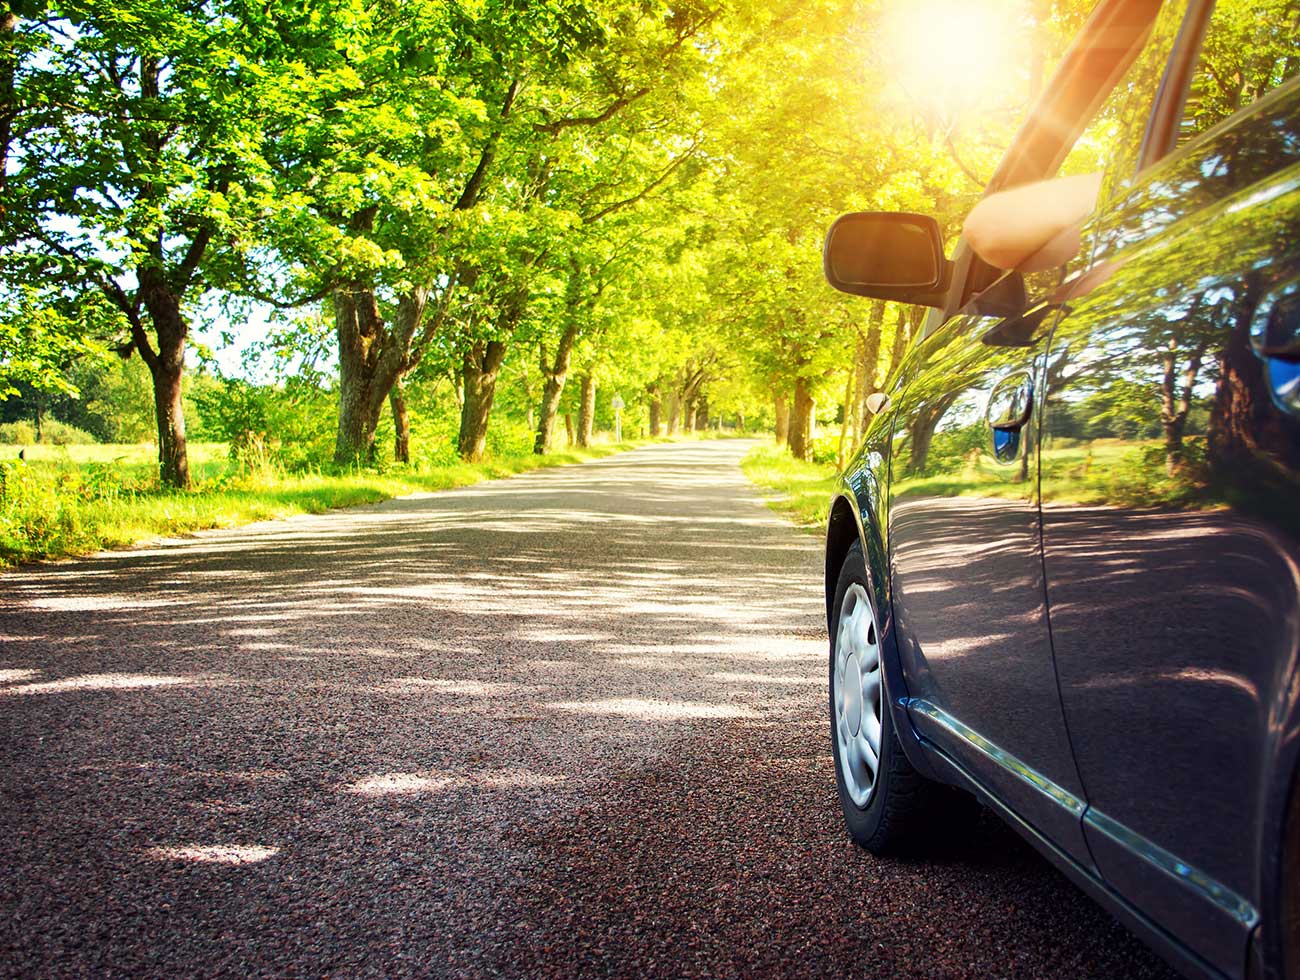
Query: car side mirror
point(891, 255)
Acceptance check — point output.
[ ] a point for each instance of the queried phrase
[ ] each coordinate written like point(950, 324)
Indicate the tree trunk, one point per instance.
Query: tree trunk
point(674, 412)
point(568, 428)
point(900, 342)
point(847, 422)
point(481, 366)
point(690, 381)
point(1022, 475)
point(922, 436)
point(373, 357)
point(702, 413)
point(868, 365)
point(8, 104)
point(167, 365)
point(925, 420)
point(557, 374)
point(1248, 439)
point(782, 406)
point(1175, 404)
point(656, 410)
point(551, 392)
point(361, 391)
point(587, 410)
point(173, 456)
point(401, 424)
point(800, 436)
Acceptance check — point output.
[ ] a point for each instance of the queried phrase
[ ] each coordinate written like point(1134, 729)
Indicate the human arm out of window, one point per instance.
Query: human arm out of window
point(1035, 226)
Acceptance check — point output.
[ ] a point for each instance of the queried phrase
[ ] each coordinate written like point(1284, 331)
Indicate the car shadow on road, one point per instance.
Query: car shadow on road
point(755, 876)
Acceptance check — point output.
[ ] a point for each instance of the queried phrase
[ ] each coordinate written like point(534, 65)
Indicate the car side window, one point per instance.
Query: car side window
point(1250, 48)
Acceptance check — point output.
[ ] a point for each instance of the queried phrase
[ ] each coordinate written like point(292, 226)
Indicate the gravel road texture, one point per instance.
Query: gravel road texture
point(568, 724)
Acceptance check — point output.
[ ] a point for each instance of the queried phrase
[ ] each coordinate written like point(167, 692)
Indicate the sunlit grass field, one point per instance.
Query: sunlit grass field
point(207, 459)
point(76, 500)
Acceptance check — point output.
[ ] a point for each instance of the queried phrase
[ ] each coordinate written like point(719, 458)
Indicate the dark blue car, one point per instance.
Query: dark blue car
point(1063, 573)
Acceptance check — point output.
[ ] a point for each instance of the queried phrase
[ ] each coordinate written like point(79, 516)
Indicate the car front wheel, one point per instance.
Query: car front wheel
point(888, 806)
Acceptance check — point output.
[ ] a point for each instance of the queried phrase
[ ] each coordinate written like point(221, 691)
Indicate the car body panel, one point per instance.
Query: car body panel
point(1174, 589)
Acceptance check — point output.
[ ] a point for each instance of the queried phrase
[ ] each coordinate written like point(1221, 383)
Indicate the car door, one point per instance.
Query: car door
point(967, 572)
point(1170, 479)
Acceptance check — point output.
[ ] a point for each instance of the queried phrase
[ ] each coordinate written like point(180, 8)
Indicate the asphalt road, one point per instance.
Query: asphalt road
point(566, 724)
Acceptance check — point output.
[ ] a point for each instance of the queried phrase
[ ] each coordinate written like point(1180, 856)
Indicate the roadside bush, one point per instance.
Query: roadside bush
point(826, 450)
point(289, 426)
point(53, 433)
point(56, 433)
point(955, 449)
point(18, 433)
point(508, 437)
point(57, 508)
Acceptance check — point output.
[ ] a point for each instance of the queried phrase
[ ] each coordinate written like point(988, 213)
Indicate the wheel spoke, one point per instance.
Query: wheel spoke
point(870, 690)
point(869, 756)
point(860, 627)
point(862, 762)
point(871, 732)
point(848, 633)
point(841, 649)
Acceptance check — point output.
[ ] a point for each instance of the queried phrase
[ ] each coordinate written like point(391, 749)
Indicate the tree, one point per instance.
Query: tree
point(130, 135)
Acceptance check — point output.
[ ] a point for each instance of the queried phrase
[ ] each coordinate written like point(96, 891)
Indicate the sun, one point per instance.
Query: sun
point(955, 55)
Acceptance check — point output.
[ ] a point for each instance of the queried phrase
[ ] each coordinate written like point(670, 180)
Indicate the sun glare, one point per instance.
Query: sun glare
point(951, 55)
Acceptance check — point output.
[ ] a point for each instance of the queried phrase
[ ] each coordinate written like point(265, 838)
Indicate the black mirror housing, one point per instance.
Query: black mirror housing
point(892, 255)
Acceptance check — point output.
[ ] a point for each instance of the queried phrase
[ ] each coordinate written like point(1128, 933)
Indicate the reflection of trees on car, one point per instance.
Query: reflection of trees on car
point(1191, 255)
point(1245, 430)
point(1176, 384)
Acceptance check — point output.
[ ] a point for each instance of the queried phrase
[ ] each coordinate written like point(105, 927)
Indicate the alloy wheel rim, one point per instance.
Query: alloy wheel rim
point(856, 682)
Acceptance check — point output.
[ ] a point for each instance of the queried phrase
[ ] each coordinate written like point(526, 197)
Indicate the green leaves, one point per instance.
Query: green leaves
point(39, 340)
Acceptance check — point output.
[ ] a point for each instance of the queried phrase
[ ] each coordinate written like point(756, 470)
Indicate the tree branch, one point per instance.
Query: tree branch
point(555, 127)
point(668, 172)
point(470, 195)
point(952, 151)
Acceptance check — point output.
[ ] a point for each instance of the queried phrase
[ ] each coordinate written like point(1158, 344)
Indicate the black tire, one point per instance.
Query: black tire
point(904, 809)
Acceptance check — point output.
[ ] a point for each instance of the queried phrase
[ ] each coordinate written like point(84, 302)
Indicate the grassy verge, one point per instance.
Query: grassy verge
point(83, 499)
point(795, 489)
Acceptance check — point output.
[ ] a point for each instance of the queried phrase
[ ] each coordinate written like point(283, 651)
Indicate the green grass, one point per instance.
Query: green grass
point(64, 501)
point(797, 490)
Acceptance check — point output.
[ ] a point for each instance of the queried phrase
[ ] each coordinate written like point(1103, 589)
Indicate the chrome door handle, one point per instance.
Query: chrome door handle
point(1010, 404)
